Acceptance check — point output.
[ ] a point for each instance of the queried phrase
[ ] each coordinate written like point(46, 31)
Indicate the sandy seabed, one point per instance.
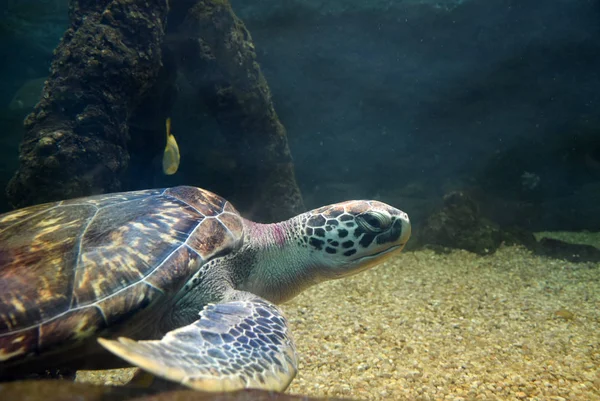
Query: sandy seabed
point(456, 326)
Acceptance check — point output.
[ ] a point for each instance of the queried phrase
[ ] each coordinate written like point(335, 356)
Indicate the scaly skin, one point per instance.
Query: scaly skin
point(331, 242)
point(144, 264)
point(277, 261)
point(242, 339)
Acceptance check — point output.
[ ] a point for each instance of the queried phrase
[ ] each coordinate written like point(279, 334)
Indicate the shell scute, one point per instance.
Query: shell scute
point(8, 219)
point(104, 200)
point(229, 208)
point(73, 326)
point(69, 269)
point(183, 260)
point(137, 297)
point(221, 231)
point(36, 264)
point(203, 201)
point(18, 344)
point(210, 238)
point(233, 223)
point(122, 245)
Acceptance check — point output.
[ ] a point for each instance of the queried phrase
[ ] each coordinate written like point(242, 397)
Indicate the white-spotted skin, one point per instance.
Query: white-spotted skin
point(330, 242)
point(353, 235)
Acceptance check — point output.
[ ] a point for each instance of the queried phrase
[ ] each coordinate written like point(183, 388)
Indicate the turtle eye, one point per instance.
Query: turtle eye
point(374, 221)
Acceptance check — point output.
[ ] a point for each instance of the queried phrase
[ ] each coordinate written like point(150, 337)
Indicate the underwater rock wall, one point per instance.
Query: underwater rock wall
point(113, 83)
point(218, 59)
point(29, 32)
point(408, 100)
point(75, 142)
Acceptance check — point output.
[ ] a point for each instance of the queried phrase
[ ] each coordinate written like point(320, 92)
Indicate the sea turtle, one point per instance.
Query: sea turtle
point(181, 272)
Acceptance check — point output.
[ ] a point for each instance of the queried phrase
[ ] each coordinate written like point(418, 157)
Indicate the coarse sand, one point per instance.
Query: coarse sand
point(455, 326)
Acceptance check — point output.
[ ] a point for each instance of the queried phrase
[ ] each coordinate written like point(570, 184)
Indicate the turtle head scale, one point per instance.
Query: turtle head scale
point(282, 259)
point(346, 238)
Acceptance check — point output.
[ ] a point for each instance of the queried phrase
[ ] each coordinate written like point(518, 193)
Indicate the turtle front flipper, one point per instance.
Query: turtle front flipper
point(234, 345)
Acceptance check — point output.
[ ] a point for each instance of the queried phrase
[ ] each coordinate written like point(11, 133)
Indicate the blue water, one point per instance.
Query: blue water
point(401, 101)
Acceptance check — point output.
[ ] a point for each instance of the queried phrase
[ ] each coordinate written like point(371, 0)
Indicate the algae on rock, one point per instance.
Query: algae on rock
point(75, 142)
point(110, 68)
point(217, 44)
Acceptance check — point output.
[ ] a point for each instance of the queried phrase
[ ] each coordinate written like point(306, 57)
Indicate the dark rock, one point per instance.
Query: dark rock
point(499, 93)
point(218, 54)
point(59, 390)
point(555, 188)
point(564, 250)
point(76, 137)
point(432, 90)
point(459, 224)
point(112, 86)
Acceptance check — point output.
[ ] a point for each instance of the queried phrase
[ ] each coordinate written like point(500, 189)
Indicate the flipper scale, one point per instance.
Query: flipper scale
point(214, 354)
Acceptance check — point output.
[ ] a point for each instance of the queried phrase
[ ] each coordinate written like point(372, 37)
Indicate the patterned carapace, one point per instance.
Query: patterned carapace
point(81, 253)
point(180, 272)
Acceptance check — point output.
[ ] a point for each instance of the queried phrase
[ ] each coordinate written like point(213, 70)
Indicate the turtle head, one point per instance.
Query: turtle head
point(346, 238)
point(326, 243)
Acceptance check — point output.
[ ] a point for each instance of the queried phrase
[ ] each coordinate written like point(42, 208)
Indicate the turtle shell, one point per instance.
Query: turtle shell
point(72, 268)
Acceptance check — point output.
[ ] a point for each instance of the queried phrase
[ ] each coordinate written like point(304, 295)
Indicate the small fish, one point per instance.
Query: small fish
point(171, 156)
